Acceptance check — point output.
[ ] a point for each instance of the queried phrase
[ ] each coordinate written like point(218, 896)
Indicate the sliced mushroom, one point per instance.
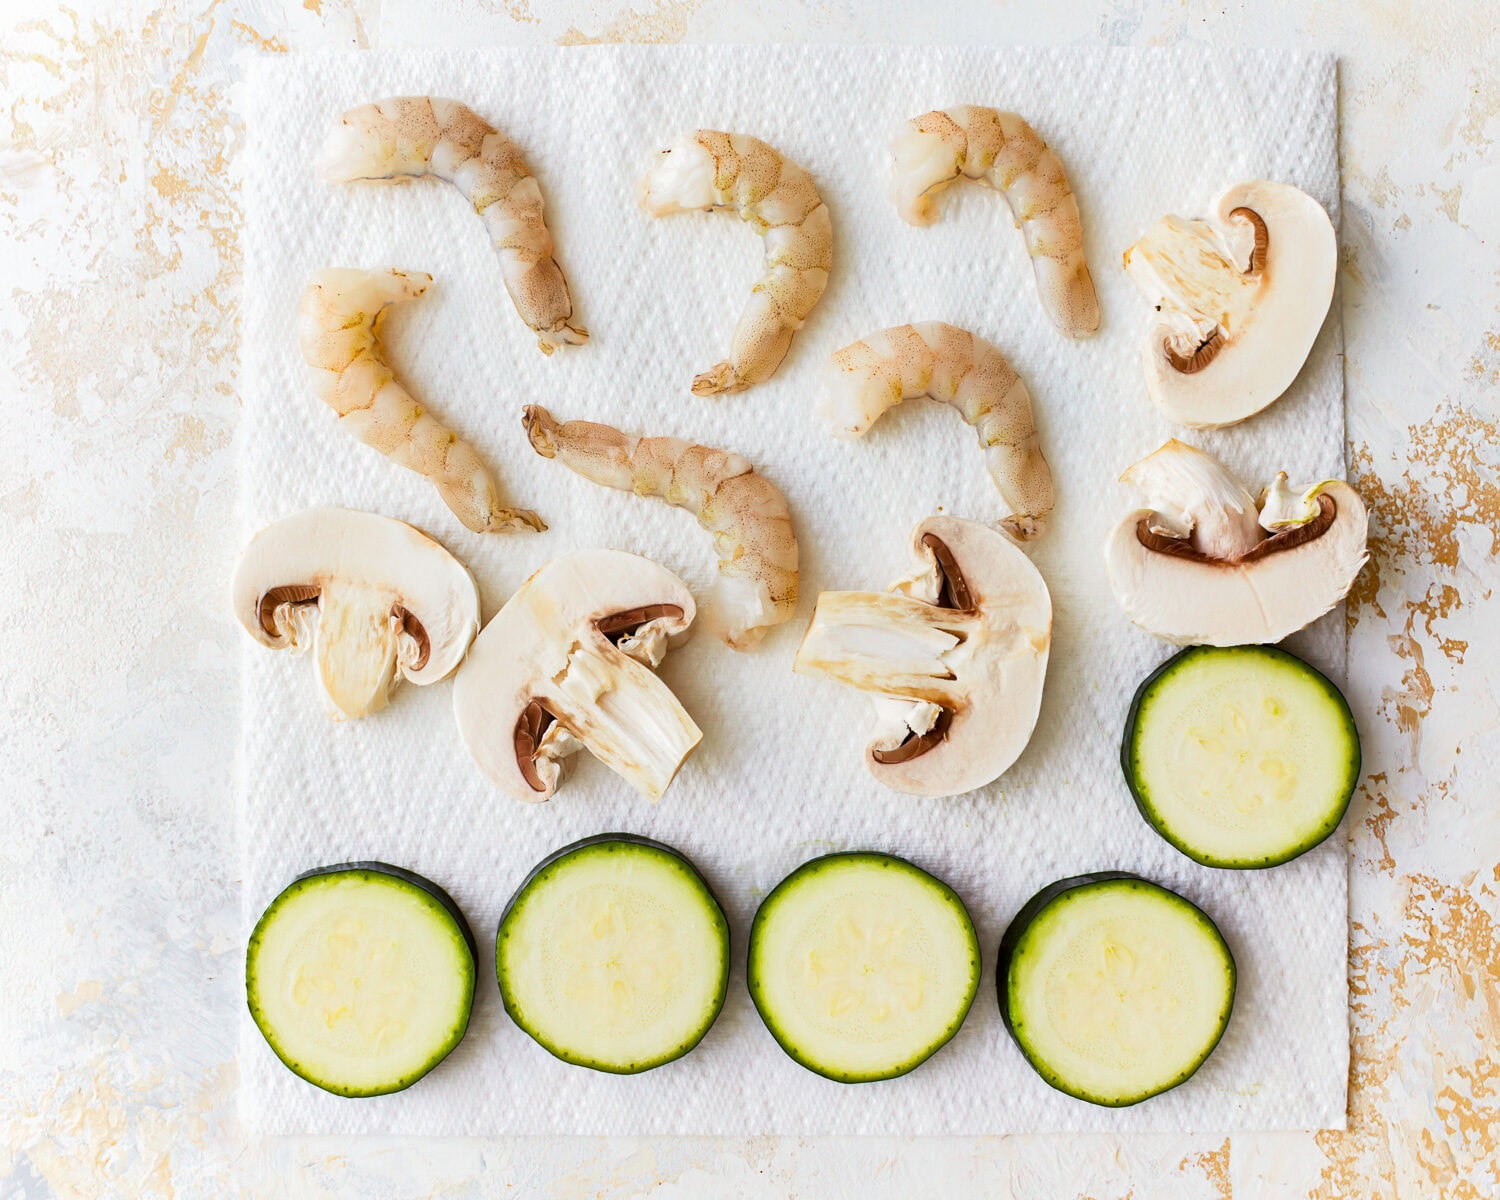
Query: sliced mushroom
point(375, 599)
point(1206, 564)
point(1241, 298)
point(568, 664)
point(953, 656)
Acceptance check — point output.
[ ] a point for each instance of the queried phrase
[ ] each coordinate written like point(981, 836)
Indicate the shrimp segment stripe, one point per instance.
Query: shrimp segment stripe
point(404, 137)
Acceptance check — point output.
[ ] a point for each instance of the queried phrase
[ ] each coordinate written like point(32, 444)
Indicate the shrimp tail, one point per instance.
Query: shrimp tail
point(563, 334)
point(718, 380)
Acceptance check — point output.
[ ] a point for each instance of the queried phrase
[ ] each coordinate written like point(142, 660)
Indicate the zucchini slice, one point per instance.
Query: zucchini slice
point(1114, 988)
point(360, 976)
point(862, 965)
point(614, 954)
point(1240, 756)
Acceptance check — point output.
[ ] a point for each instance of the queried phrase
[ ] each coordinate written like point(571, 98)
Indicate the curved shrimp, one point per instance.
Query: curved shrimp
point(745, 513)
point(403, 137)
point(951, 365)
point(713, 170)
point(1001, 150)
point(339, 328)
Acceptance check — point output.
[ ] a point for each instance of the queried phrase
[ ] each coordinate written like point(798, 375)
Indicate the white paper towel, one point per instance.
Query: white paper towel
point(778, 778)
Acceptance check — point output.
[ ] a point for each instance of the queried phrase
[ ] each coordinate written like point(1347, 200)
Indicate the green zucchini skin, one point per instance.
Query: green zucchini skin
point(411, 877)
point(1017, 928)
point(1148, 813)
point(721, 922)
point(371, 867)
point(872, 858)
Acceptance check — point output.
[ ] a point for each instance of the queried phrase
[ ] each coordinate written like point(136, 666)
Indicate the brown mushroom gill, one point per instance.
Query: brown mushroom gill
point(307, 593)
point(535, 719)
point(1191, 364)
point(531, 725)
point(623, 624)
point(1208, 349)
point(1274, 543)
point(273, 598)
point(953, 592)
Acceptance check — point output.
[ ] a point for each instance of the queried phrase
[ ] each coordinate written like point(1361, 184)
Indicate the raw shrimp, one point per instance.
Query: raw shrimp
point(712, 170)
point(407, 136)
point(747, 516)
point(951, 365)
point(1001, 150)
point(339, 327)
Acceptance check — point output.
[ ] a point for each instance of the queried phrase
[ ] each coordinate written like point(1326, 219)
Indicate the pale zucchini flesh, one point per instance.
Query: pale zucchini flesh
point(1241, 757)
point(862, 966)
point(614, 955)
point(1114, 988)
point(361, 977)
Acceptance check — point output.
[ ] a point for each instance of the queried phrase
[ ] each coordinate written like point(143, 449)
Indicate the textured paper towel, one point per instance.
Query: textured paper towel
point(778, 777)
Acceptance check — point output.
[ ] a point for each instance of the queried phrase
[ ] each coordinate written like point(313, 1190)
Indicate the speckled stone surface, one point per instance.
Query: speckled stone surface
point(119, 207)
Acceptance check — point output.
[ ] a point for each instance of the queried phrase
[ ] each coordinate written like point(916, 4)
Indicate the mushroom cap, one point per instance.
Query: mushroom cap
point(999, 671)
point(546, 645)
point(1266, 327)
point(295, 559)
point(1287, 582)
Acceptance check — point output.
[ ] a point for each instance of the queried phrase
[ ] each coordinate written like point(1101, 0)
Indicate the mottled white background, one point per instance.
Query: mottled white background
point(119, 307)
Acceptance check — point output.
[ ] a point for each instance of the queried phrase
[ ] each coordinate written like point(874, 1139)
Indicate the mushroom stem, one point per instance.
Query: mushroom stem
point(1282, 507)
point(1196, 498)
point(1191, 273)
point(357, 645)
point(886, 643)
point(622, 713)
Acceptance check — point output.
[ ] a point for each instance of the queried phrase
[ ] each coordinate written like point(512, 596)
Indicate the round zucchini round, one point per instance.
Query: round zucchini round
point(1114, 988)
point(613, 954)
point(1242, 757)
point(360, 976)
point(862, 966)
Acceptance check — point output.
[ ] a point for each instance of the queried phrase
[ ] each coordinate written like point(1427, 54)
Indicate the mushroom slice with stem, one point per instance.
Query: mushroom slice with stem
point(1241, 298)
point(954, 657)
point(1206, 564)
point(568, 664)
point(375, 600)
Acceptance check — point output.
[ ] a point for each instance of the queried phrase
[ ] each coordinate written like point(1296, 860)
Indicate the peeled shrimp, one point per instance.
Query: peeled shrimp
point(951, 365)
point(1003, 151)
point(712, 170)
point(407, 136)
point(339, 327)
point(747, 516)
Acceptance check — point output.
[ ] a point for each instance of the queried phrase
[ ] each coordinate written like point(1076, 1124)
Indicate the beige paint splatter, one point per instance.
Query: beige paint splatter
point(667, 22)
